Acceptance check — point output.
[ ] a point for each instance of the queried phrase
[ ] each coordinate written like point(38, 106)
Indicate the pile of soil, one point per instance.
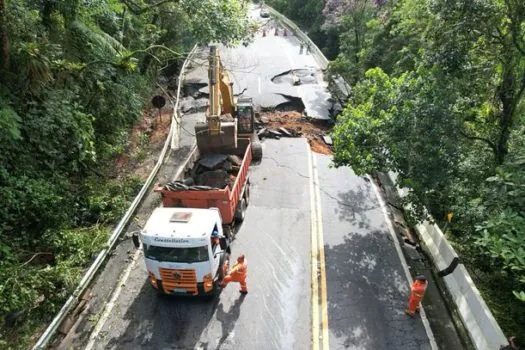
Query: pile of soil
point(294, 124)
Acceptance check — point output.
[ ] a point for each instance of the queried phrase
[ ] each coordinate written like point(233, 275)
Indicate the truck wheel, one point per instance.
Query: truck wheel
point(257, 151)
point(228, 232)
point(240, 213)
point(247, 192)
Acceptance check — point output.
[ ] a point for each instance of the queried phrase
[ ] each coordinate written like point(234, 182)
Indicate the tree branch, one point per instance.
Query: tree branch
point(137, 10)
point(514, 29)
point(491, 144)
point(34, 256)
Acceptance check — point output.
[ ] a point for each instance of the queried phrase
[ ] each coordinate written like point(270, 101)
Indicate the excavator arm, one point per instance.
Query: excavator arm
point(227, 118)
point(217, 135)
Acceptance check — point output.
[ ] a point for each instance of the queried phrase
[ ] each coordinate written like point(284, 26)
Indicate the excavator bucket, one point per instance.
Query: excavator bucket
point(216, 140)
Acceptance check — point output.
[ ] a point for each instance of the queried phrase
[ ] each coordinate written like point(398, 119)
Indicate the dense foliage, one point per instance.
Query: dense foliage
point(74, 75)
point(437, 97)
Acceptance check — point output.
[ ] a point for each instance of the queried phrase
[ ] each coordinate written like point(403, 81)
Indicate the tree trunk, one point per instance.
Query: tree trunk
point(5, 46)
point(507, 92)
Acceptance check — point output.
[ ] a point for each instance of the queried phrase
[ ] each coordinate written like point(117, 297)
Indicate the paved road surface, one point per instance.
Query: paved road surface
point(366, 286)
point(275, 314)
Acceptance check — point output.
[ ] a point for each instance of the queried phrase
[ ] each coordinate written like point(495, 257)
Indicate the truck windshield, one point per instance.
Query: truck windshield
point(182, 255)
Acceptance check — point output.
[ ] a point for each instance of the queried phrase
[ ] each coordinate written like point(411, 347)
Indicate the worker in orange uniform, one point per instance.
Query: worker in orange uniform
point(417, 291)
point(238, 274)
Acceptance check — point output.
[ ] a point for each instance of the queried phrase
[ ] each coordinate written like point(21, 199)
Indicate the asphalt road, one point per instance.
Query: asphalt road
point(366, 287)
point(267, 69)
point(275, 238)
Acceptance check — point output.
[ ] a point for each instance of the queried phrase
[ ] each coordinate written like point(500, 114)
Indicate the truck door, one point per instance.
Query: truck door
point(216, 249)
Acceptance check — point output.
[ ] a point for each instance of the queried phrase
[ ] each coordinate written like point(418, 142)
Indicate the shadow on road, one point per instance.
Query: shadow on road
point(229, 318)
point(367, 295)
point(156, 321)
point(354, 205)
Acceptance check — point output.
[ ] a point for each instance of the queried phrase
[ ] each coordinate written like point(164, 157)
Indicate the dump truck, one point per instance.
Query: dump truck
point(179, 250)
point(230, 196)
point(179, 253)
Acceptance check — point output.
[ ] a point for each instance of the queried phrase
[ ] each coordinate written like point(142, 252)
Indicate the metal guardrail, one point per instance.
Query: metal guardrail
point(73, 299)
point(176, 119)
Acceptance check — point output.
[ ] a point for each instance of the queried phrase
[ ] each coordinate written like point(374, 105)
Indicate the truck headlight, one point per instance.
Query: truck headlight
point(153, 280)
point(207, 282)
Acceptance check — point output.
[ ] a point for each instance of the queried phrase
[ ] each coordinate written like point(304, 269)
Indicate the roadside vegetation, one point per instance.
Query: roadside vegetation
point(74, 79)
point(437, 97)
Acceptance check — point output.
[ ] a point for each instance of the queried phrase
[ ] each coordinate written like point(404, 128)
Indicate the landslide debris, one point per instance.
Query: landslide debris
point(294, 124)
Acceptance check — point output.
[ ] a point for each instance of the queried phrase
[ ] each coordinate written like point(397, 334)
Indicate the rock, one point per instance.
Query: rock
point(226, 165)
point(192, 105)
point(213, 161)
point(235, 170)
point(262, 133)
point(189, 181)
point(235, 160)
point(328, 140)
point(285, 132)
point(216, 178)
point(274, 134)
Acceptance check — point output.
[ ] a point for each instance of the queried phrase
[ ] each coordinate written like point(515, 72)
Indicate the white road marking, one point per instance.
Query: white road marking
point(109, 306)
point(322, 265)
point(392, 232)
point(314, 255)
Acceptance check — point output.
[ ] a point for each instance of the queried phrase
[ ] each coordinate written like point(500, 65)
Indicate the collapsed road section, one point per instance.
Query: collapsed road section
point(275, 125)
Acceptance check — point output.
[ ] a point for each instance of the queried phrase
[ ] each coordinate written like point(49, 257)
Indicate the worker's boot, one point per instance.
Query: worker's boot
point(409, 313)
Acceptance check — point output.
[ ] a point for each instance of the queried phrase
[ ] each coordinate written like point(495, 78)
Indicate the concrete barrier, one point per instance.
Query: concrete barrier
point(484, 331)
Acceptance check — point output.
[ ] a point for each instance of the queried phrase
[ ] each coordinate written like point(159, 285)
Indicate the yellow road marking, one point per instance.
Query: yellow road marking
point(322, 264)
point(313, 232)
point(318, 258)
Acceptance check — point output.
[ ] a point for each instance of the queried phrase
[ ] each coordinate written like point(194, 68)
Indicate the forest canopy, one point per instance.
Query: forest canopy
point(74, 77)
point(438, 97)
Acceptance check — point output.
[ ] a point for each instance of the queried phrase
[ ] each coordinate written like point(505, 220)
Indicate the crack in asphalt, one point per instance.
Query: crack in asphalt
point(287, 167)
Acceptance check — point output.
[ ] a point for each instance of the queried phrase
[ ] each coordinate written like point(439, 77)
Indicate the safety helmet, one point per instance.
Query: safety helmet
point(215, 233)
point(421, 278)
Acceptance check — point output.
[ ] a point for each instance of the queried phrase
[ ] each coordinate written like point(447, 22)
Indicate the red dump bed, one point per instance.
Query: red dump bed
point(226, 199)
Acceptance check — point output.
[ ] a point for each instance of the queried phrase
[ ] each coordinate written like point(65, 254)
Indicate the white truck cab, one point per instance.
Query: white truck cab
point(181, 256)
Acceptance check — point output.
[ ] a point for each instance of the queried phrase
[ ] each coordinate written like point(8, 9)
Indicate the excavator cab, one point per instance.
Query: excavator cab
point(245, 116)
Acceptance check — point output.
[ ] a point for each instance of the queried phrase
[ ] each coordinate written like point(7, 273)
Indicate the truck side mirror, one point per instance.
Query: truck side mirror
point(136, 241)
point(223, 243)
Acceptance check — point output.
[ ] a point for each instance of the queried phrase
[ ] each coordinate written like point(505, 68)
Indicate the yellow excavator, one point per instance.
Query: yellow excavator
point(228, 118)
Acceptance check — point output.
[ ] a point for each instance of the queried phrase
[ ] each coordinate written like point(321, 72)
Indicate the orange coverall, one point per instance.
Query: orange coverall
point(417, 291)
point(237, 274)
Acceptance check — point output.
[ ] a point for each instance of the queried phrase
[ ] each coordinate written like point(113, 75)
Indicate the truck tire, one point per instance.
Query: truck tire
point(257, 151)
point(247, 192)
point(240, 213)
point(228, 232)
